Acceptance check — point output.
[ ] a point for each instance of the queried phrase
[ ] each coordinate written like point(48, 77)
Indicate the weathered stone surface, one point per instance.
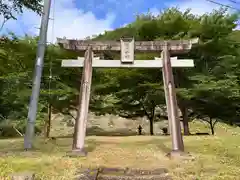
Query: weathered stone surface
point(183, 156)
point(142, 177)
point(115, 171)
point(105, 173)
point(90, 174)
point(147, 172)
point(23, 176)
point(77, 153)
point(132, 172)
point(82, 45)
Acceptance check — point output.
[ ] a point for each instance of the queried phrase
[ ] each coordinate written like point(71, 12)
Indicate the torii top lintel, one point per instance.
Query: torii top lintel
point(177, 46)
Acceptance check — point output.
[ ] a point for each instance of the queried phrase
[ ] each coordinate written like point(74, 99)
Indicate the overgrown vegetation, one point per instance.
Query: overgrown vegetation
point(216, 157)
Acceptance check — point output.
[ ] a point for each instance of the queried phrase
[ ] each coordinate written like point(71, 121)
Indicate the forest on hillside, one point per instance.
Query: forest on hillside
point(208, 92)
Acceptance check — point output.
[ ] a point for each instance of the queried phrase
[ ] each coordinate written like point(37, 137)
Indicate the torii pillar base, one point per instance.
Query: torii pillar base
point(77, 153)
point(179, 155)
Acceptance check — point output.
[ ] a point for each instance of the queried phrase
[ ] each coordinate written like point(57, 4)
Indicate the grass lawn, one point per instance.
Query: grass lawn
point(216, 157)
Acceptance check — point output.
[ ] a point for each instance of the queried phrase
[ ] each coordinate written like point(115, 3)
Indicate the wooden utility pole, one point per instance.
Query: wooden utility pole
point(32, 112)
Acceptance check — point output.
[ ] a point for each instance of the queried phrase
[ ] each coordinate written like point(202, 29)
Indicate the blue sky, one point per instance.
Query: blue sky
point(81, 18)
point(124, 9)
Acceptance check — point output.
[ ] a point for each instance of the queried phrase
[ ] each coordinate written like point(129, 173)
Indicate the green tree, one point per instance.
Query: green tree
point(17, 58)
point(214, 50)
point(9, 9)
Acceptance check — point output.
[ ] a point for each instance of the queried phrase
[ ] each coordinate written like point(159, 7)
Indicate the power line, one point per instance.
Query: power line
point(224, 5)
point(234, 1)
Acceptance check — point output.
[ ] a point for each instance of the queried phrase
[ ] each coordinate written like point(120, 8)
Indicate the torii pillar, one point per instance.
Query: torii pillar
point(171, 101)
point(82, 113)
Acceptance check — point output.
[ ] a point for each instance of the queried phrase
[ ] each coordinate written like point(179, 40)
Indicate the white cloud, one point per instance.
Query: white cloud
point(200, 7)
point(197, 7)
point(154, 11)
point(68, 22)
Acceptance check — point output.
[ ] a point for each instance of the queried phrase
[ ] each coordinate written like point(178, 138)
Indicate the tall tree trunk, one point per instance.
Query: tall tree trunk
point(184, 112)
point(75, 132)
point(151, 126)
point(151, 119)
point(179, 80)
point(47, 125)
point(185, 122)
point(212, 126)
point(150, 115)
point(49, 120)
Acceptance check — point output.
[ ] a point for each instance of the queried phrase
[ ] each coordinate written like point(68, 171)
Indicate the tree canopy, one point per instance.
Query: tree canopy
point(216, 64)
point(210, 91)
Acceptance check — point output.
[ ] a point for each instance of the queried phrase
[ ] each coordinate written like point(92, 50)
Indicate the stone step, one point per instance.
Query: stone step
point(128, 171)
point(90, 174)
point(105, 173)
point(139, 177)
point(22, 176)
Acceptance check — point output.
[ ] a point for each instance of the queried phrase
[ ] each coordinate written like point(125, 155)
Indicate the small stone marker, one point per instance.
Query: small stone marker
point(23, 176)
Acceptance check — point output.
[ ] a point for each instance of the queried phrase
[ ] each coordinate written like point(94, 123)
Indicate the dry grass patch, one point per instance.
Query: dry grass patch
point(216, 157)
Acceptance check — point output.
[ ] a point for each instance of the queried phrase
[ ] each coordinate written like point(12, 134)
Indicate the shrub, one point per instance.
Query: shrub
point(7, 130)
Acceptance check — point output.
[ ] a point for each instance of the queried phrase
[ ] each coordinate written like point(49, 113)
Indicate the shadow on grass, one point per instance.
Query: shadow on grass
point(41, 147)
point(163, 147)
point(97, 131)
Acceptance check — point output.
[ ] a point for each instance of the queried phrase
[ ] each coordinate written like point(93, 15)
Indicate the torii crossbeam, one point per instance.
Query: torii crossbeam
point(127, 48)
point(175, 46)
point(157, 63)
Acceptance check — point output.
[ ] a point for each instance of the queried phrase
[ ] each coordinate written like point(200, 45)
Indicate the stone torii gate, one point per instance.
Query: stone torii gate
point(127, 47)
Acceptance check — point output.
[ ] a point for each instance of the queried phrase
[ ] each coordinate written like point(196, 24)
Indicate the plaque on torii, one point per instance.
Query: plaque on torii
point(127, 47)
point(127, 50)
